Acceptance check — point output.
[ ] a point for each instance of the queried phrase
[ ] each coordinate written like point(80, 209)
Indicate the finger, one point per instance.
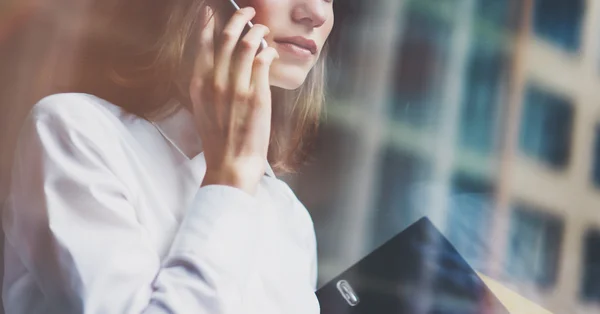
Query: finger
point(244, 56)
point(224, 50)
point(260, 72)
point(260, 109)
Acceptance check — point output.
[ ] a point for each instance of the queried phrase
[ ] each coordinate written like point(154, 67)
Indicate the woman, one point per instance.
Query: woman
point(154, 191)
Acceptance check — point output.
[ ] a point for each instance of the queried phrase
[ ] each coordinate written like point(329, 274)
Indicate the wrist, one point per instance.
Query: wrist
point(227, 178)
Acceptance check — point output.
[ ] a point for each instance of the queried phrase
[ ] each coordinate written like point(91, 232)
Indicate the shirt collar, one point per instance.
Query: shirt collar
point(179, 129)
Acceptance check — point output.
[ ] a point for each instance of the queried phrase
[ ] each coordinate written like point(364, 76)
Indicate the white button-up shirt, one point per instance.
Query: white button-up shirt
point(106, 215)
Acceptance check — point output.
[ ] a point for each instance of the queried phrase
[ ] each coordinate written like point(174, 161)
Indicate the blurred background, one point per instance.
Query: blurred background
point(483, 115)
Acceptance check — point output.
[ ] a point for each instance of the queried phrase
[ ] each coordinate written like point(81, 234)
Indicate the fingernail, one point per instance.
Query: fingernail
point(250, 10)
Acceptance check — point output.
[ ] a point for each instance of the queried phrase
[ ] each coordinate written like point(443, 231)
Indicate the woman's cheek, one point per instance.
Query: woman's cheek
point(267, 10)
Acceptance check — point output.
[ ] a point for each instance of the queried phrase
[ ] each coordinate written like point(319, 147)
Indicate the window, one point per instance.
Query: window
point(591, 264)
point(559, 21)
point(479, 110)
point(596, 158)
point(496, 11)
point(422, 59)
point(469, 214)
point(546, 127)
point(534, 246)
point(398, 202)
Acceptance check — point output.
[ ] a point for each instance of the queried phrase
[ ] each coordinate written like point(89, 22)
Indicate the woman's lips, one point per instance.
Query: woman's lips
point(294, 50)
point(297, 46)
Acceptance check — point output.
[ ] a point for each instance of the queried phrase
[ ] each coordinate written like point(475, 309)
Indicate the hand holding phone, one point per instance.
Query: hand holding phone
point(263, 43)
point(231, 100)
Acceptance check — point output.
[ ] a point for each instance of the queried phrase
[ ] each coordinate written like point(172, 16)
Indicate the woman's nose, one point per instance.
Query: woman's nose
point(312, 13)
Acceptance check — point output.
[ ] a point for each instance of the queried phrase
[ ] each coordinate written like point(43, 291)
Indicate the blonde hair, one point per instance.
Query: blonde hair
point(138, 55)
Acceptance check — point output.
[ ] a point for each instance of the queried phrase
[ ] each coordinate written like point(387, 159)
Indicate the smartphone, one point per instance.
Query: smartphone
point(263, 42)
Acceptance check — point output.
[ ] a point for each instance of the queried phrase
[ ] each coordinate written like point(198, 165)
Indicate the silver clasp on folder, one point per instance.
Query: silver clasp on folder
point(347, 292)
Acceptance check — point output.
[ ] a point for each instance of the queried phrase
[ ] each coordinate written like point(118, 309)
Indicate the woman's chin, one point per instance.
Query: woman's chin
point(286, 85)
point(289, 78)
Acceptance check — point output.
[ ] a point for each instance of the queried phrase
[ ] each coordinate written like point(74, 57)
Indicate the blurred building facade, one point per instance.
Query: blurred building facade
point(425, 96)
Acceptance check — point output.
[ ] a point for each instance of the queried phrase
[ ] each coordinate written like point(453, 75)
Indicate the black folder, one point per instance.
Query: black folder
point(416, 272)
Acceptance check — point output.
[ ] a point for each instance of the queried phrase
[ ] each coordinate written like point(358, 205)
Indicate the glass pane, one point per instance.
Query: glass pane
point(418, 94)
point(421, 58)
point(591, 267)
point(535, 244)
point(560, 22)
point(495, 11)
point(546, 127)
point(480, 107)
point(470, 213)
point(596, 158)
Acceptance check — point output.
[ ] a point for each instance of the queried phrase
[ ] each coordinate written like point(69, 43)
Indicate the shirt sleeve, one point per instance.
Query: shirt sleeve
point(73, 225)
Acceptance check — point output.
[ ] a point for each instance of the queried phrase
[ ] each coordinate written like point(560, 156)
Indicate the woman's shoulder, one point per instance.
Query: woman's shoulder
point(75, 119)
point(81, 113)
point(75, 107)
